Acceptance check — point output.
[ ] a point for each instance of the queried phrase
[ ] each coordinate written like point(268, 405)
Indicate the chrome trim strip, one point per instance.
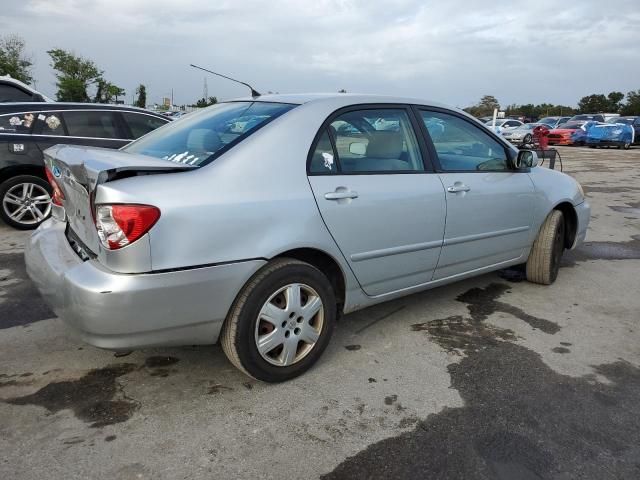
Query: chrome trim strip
point(119, 110)
point(385, 252)
point(482, 236)
point(65, 136)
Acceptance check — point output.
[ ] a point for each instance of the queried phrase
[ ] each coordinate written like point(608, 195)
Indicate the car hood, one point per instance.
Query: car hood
point(564, 130)
point(518, 131)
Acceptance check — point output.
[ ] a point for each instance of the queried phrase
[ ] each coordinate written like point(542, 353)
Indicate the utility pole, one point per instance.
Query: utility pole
point(205, 90)
point(172, 97)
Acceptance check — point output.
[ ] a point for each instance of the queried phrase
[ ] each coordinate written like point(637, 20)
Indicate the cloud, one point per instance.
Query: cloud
point(450, 51)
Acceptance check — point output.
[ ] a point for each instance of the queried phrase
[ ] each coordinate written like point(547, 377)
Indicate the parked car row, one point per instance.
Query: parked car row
point(591, 130)
point(621, 132)
point(27, 129)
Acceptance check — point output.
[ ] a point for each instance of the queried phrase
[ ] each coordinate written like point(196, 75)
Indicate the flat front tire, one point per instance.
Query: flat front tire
point(281, 321)
point(544, 260)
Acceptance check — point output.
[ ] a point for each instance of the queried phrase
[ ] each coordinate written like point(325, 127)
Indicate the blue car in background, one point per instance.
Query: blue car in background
point(616, 132)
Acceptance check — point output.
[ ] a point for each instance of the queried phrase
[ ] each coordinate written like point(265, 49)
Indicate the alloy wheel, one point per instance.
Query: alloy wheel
point(27, 203)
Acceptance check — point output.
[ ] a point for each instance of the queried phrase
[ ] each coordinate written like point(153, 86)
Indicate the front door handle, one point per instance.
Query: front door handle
point(458, 187)
point(340, 195)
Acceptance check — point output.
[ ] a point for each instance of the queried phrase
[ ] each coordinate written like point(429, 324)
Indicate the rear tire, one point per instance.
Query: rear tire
point(627, 145)
point(248, 325)
point(544, 260)
point(22, 201)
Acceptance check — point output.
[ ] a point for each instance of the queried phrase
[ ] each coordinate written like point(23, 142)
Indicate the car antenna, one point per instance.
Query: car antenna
point(254, 92)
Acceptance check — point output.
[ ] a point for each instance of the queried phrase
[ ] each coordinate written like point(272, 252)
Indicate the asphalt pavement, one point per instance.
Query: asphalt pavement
point(492, 377)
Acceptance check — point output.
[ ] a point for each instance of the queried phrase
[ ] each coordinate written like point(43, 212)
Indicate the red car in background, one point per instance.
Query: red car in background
point(565, 134)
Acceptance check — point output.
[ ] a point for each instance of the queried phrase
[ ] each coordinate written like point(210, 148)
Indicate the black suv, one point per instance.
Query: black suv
point(12, 90)
point(27, 129)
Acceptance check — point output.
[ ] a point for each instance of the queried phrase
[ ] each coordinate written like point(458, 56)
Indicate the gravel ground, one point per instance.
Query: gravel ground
point(492, 377)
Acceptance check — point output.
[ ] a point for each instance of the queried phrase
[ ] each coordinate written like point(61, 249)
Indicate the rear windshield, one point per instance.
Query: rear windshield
point(197, 138)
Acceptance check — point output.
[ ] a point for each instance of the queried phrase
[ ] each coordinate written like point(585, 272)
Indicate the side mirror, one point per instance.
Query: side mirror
point(526, 159)
point(357, 148)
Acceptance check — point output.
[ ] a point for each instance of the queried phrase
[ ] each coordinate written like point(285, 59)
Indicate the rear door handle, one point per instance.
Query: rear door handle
point(458, 188)
point(340, 195)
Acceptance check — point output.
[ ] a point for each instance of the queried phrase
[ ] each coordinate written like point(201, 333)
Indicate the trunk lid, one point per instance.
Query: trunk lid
point(79, 171)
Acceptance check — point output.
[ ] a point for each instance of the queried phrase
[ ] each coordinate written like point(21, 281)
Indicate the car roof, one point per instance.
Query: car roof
point(20, 107)
point(347, 99)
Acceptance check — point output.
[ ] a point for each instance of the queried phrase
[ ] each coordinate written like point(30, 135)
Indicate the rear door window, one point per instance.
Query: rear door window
point(141, 124)
point(17, 123)
point(323, 160)
point(50, 123)
point(377, 140)
point(92, 124)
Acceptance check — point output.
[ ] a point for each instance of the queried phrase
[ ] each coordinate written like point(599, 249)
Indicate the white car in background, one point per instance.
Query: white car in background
point(503, 124)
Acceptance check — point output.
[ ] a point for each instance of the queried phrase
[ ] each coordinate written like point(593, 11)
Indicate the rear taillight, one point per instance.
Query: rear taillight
point(120, 225)
point(57, 196)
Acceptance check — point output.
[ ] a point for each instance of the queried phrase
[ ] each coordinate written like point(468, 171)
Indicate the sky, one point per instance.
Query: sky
point(451, 51)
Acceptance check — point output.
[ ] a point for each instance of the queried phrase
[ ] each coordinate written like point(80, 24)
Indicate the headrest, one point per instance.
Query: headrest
point(203, 140)
point(385, 144)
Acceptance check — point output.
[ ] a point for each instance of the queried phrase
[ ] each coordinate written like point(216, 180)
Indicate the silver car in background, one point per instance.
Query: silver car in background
point(522, 135)
point(258, 222)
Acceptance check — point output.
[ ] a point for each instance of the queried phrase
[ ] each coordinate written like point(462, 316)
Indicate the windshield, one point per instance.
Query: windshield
point(196, 138)
point(586, 117)
point(571, 125)
point(628, 121)
point(499, 121)
point(548, 120)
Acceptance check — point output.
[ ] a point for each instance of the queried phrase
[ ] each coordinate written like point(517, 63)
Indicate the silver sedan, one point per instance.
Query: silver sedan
point(522, 135)
point(257, 223)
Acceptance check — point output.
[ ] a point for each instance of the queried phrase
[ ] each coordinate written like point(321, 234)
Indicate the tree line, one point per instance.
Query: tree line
point(614, 102)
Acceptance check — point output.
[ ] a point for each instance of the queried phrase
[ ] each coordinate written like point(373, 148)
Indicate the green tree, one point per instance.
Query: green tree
point(632, 105)
point(74, 74)
point(114, 91)
point(141, 101)
point(615, 101)
point(484, 107)
point(593, 104)
point(13, 61)
point(203, 102)
point(107, 92)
